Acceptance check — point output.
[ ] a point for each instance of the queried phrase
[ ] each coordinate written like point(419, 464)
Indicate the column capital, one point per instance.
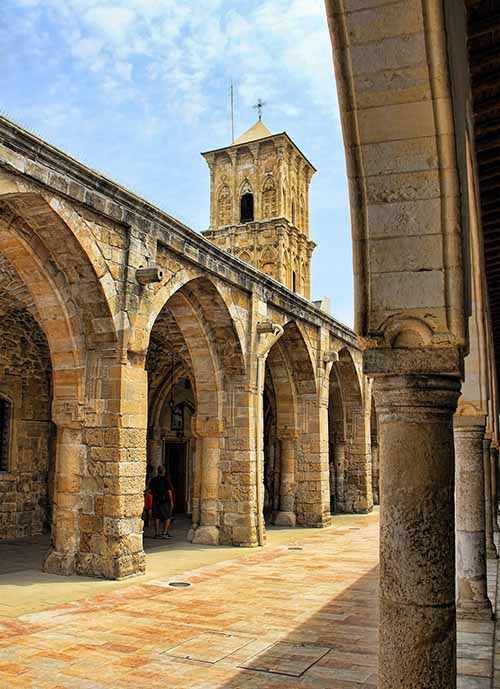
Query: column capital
point(68, 413)
point(474, 423)
point(207, 426)
point(426, 361)
point(409, 395)
point(287, 433)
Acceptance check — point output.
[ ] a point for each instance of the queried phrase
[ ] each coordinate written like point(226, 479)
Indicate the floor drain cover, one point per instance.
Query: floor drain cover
point(209, 647)
point(295, 547)
point(284, 658)
point(179, 584)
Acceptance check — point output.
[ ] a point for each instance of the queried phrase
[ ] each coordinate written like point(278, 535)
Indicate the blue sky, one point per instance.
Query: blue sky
point(137, 88)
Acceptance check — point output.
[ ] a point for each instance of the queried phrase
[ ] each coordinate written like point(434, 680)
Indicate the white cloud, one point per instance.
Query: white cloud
point(136, 49)
point(111, 22)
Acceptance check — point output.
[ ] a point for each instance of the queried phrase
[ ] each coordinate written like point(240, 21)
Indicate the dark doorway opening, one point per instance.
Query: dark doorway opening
point(246, 208)
point(175, 459)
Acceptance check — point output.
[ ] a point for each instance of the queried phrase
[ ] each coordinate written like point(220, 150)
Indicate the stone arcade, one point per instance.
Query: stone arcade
point(126, 335)
point(119, 326)
point(419, 94)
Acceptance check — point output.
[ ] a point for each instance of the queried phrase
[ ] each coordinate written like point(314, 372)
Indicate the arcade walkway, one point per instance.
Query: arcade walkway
point(300, 613)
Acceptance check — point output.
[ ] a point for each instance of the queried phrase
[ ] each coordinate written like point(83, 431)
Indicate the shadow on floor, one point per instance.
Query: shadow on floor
point(334, 648)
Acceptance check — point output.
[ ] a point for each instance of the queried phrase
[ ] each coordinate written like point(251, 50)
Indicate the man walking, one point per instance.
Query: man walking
point(163, 502)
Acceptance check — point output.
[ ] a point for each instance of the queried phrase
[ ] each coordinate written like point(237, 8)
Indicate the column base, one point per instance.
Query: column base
point(206, 535)
point(475, 611)
point(57, 562)
point(285, 519)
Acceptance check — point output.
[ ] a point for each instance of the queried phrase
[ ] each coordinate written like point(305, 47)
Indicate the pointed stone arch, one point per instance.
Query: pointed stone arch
point(357, 489)
point(290, 367)
point(336, 441)
point(247, 205)
point(196, 324)
point(72, 298)
point(268, 261)
point(245, 256)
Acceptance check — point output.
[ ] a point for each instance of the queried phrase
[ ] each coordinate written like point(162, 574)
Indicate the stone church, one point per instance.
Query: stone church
point(127, 339)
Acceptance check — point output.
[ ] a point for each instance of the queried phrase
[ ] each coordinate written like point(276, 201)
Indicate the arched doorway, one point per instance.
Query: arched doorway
point(27, 433)
point(349, 435)
point(336, 444)
point(291, 424)
point(272, 463)
point(195, 366)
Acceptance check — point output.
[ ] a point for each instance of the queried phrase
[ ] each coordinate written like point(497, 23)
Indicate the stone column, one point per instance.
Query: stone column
point(101, 468)
point(196, 494)
point(472, 594)
point(65, 542)
point(286, 515)
point(339, 463)
point(375, 473)
point(494, 485)
point(491, 551)
point(209, 434)
point(155, 448)
point(417, 644)
point(312, 503)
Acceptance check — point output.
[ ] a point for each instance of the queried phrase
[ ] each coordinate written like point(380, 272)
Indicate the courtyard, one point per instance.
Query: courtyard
point(301, 612)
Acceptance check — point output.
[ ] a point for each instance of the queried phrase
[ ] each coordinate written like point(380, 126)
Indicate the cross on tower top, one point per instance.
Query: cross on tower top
point(260, 104)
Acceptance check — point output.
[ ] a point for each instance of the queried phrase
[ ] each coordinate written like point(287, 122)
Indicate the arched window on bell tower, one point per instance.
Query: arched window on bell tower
point(246, 203)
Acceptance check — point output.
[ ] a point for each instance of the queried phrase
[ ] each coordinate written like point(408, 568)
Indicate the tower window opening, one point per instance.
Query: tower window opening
point(293, 212)
point(294, 281)
point(246, 208)
point(5, 418)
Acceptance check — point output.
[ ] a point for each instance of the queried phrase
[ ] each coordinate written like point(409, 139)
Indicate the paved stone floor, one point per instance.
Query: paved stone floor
point(272, 618)
point(475, 644)
point(300, 613)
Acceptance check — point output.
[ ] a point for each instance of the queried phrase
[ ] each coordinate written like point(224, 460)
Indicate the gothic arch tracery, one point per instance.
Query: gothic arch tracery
point(269, 198)
point(224, 206)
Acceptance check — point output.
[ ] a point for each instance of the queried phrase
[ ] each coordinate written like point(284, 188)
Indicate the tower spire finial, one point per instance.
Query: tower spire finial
point(260, 104)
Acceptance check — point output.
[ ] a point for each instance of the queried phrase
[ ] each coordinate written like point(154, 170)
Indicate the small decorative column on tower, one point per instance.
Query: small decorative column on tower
point(259, 204)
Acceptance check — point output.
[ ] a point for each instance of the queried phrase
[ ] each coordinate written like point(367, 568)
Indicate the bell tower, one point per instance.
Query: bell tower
point(259, 205)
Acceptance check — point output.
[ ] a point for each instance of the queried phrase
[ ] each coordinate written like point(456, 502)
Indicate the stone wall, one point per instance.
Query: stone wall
point(77, 242)
point(25, 380)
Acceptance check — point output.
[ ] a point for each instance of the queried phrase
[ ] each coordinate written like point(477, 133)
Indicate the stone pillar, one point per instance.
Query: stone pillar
point(472, 594)
point(65, 544)
point(417, 643)
point(339, 463)
point(491, 550)
point(286, 515)
point(375, 473)
point(209, 433)
point(155, 448)
point(358, 488)
point(196, 494)
point(494, 485)
point(312, 502)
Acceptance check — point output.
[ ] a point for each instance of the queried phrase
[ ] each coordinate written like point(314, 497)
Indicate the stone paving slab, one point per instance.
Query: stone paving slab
point(309, 615)
point(274, 619)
